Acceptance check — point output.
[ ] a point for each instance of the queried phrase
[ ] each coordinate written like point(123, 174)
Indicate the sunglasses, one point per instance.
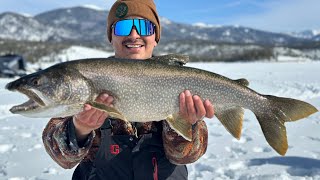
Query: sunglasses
point(144, 27)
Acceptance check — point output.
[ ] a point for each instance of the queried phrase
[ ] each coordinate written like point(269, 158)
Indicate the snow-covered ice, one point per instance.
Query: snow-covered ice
point(252, 157)
point(22, 155)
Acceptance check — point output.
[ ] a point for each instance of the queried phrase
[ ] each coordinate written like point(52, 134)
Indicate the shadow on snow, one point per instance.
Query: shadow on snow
point(297, 166)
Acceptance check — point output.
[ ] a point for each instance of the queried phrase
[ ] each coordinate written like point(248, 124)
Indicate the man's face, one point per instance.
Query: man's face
point(133, 46)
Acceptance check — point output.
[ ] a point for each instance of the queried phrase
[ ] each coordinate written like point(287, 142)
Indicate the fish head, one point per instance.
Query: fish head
point(53, 92)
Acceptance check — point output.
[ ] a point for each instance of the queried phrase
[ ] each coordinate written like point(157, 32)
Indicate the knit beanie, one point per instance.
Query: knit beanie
point(141, 8)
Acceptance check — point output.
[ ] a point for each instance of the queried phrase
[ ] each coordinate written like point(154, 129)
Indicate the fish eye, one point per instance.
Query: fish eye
point(35, 81)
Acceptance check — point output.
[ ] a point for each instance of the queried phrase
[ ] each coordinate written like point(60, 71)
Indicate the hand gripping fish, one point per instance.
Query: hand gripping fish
point(148, 90)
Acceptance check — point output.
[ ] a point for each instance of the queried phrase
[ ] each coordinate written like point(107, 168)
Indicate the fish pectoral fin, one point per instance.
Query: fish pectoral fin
point(180, 125)
point(232, 119)
point(113, 112)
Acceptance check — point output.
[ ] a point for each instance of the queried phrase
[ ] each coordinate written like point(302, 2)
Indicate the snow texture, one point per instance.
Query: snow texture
point(23, 157)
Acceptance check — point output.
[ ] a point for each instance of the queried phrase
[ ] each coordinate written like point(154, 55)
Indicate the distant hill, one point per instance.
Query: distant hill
point(87, 27)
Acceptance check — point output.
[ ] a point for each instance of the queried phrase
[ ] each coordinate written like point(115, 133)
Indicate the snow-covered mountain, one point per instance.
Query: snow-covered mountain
point(83, 24)
point(307, 34)
point(61, 28)
point(19, 27)
point(228, 34)
point(71, 24)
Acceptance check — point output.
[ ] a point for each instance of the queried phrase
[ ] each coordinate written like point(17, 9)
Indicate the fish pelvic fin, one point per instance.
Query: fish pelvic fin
point(113, 112)
point(180, 125)
point(272, 121)
point(232, 119)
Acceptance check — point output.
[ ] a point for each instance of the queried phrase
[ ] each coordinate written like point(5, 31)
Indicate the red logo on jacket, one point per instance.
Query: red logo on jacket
point(114, 149)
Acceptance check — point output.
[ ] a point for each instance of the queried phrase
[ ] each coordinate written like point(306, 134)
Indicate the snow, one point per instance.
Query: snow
point(22, 155)
point(80, 52)
point(165, 21)
point(5, 148)
point(307, 34)
point(19, 27)
point(226, 33)
point(281, 58)
point(71, 53)
point(252, 157)
point(204, 25)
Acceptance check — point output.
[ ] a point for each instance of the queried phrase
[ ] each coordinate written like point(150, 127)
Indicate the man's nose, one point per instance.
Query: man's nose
point(134, 32)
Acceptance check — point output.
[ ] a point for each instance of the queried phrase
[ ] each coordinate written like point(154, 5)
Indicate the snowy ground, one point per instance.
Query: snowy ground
point(22, 155)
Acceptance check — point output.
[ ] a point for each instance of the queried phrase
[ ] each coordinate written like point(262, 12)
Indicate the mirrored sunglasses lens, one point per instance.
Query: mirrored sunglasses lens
point(123, 28)
point(144, 27)
point(149, 28)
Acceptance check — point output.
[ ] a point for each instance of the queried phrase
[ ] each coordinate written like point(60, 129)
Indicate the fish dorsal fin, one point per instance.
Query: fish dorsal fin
point(242, 81)
point(231, 119)
point(172, 59)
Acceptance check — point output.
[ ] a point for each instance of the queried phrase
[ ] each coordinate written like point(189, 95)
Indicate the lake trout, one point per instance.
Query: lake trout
point(148, 90)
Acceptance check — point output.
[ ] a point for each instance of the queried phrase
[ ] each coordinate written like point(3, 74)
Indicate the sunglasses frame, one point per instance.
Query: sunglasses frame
point(134, 24)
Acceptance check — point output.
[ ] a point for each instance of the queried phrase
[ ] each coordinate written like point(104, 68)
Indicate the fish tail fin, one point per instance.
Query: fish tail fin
point(272, 120)
point(232, 119)
point(293, 108)
point(180, 125)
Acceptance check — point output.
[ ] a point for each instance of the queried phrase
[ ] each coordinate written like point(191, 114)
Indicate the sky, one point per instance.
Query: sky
point(271, 15)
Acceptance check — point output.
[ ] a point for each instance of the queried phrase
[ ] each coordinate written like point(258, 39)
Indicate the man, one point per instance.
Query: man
point(113, 149)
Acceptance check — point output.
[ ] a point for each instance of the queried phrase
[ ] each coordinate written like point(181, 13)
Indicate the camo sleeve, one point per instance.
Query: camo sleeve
point(180, 151)
point(61, 145)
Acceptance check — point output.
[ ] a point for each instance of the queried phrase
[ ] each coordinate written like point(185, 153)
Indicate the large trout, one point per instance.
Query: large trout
point(148, 90)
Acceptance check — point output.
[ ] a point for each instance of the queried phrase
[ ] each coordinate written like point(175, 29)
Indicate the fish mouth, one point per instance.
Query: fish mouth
point(33, 103)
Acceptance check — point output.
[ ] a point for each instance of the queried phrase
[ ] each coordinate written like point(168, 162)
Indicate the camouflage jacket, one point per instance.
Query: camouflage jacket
point(60, 141)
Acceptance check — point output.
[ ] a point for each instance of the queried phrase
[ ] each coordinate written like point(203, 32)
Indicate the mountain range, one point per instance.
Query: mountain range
point(86, 26)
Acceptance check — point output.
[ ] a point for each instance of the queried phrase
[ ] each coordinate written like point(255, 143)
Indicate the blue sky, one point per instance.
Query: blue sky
point(272, 15)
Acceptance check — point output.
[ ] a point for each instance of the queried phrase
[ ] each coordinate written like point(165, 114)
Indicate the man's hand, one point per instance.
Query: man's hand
point(90, 118)
point(193, 109)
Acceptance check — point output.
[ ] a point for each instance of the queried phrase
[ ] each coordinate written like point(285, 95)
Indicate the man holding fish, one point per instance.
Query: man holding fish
point(113, 149)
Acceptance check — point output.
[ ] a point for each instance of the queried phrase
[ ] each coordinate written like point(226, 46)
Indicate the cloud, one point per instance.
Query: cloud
point(284, 15)
point(103, 4)
point(37, 6)
point(109, 3)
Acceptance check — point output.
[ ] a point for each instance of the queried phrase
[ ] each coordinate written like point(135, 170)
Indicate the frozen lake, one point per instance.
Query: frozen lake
point(22, 155)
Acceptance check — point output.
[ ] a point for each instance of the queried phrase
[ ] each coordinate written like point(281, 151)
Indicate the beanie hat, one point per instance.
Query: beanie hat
point(141, 8)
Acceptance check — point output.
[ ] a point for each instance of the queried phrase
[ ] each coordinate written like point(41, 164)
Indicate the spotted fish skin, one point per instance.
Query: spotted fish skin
point(148, 90)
